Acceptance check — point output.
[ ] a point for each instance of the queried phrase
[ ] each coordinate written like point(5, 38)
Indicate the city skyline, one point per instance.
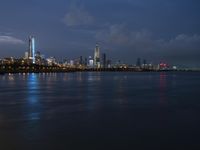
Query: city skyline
point(125, 29)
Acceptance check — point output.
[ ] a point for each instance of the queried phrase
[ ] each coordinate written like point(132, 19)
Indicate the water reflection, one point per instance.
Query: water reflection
point(94, 76)
point(162, 88)
point(120, 89)
point(32, 89)
point(10, 78)
point(117, 106)
point(91, 91)
point(33, 97)
point(34, 116)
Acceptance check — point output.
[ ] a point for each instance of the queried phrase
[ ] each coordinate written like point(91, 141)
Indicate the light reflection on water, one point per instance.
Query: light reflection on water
point(163, 86)
point(94, 77)
point(92, 90)
point(33, 89)
point(120, 106)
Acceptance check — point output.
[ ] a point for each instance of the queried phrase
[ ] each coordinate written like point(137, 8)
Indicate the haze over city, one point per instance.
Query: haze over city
point(156, 30)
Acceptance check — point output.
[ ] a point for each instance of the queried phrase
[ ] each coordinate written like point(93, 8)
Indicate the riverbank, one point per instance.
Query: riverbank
point(71, 70)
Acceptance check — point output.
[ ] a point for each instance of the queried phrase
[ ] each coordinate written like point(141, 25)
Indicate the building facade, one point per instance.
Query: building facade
point(97, 56)
point(32, 49)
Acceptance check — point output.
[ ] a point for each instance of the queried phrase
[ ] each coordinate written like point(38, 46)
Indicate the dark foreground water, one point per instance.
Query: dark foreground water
point(100, 111)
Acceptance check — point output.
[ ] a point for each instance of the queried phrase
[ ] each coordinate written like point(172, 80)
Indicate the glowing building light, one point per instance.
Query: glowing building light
point(32, 49)
point(97, 56)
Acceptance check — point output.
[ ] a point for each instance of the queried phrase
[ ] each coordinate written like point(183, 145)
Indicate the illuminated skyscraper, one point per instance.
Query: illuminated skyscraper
point(97, 56)
point(26, 55)
point(32, 49)
point(91, 62)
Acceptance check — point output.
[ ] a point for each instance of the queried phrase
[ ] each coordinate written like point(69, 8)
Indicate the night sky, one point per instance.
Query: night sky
point(155, 30)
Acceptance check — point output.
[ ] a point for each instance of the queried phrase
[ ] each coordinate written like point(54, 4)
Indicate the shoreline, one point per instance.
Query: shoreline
point(74, 70)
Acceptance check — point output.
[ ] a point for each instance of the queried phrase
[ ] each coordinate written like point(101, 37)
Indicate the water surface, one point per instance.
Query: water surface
point(108, 110)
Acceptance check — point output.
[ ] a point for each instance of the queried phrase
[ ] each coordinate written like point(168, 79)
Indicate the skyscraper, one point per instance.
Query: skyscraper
point(97, 56)
point(32, 49)
point(86, 62)
point(91, 62)
point(26, 55)
point(81, 60)
point(104, 60)
point(138, 63)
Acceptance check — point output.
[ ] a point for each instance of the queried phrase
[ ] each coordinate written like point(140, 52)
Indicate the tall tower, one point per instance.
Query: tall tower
point(138, 63)
point(104, 60)
point(97, 56)
point(32, 49)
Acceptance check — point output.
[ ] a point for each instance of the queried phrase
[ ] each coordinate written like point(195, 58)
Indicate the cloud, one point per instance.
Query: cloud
point(77, 15)
point(121, 36)
point(115, 34)
point(184, 42)
point(181, 48)
point(5, 39)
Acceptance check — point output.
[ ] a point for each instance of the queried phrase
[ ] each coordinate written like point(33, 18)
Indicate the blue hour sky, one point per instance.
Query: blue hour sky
point(156, 30)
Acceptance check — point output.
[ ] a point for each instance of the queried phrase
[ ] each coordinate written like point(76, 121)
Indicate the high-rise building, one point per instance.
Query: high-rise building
point(81, 60)
point(38, 58)
point(86, 62)
point(32, 49)
point(26, 55)
point(97, 56)
point(104, 60)
point(109, 63)
point(91, 62)
point(138, 63)
point(144, 65)
point(144, 62)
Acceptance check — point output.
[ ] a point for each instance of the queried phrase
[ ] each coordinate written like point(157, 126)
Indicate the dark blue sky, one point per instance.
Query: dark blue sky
point(156, 30)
